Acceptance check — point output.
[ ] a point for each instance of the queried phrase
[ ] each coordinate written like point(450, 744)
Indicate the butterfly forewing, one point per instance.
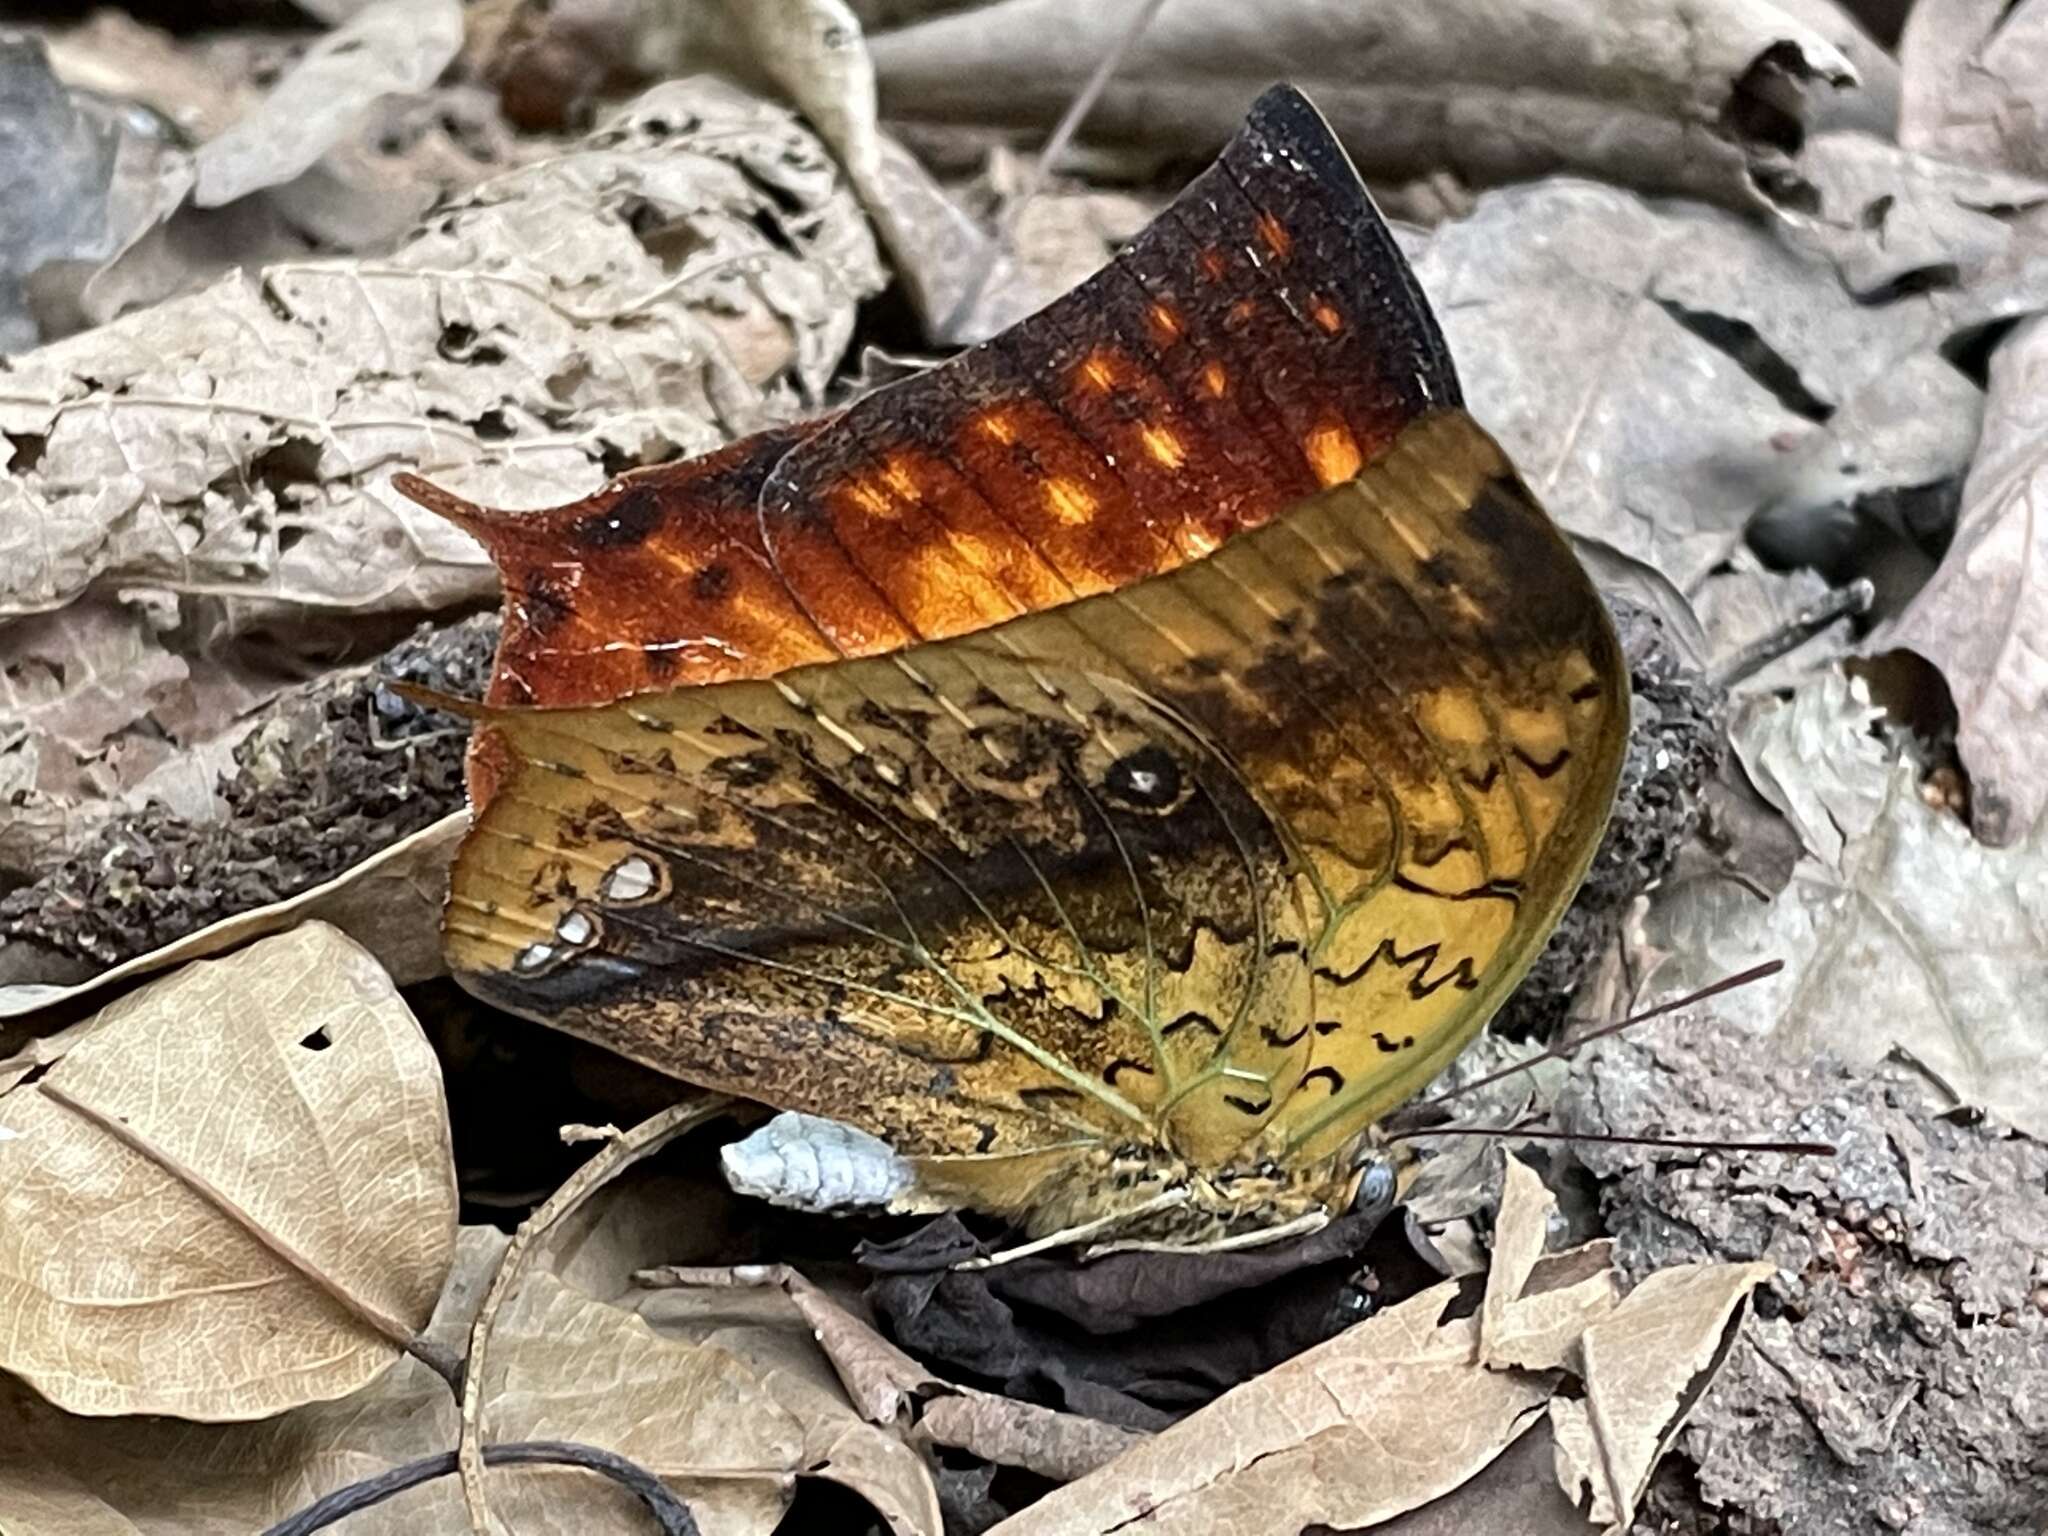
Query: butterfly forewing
point(1221, 864)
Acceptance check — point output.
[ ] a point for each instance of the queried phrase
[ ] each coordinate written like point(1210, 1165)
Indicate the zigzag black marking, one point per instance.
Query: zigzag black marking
point(1545, 770)
point(1421, 984)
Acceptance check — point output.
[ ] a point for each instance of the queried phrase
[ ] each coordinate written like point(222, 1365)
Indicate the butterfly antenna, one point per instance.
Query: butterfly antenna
point(1567, 1050)
point(1505, 1132)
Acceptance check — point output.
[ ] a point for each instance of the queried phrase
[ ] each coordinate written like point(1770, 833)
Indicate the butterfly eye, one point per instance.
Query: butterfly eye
point(1146, 780)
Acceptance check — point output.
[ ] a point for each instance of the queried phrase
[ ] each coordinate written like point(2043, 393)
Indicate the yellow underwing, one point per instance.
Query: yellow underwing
point(1129, 872)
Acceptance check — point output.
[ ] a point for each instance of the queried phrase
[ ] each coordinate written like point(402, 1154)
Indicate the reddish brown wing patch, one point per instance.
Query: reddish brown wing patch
point(1258, 341)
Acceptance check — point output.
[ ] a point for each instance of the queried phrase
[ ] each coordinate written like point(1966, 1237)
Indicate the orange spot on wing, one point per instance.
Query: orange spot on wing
point(870, 499)
point(900, 480)
point(998, 426)
point(1166, 321)
point(1069, 500)
point(1239, 313)
point(1215, 379)
point(1332, 452)
point(1327, 316)
point(1164, 446)
point(1213, 264)
point(1099, 368)
point(1274, 233)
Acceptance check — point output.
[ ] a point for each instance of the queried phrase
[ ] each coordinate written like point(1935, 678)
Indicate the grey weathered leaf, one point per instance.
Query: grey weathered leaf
point(237, 443)
point(1976, 82)
point(393, 46)
point(1983, 619)
point(1812, 755)
point(1922, 939)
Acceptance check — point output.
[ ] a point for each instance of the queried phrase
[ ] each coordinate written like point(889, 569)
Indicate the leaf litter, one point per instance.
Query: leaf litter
point(1737, 405)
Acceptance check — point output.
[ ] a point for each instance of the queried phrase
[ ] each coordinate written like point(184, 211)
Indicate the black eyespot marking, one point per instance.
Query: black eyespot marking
point(626, 522)
point(1246, 1106)
point(1124, 1064)
point(712, 583)
point(1390, 1046)
point(1146, 780)
point(1191, 1021)
point(1328, 1075)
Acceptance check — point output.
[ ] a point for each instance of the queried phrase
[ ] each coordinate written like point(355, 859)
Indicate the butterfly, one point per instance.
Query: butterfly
point(1115, 767)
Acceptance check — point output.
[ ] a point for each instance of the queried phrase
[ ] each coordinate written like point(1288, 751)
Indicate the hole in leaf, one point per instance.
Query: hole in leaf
point(319, 1040)
point(1738, 340)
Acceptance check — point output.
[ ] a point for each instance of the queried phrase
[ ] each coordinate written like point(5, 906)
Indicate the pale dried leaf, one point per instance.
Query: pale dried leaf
point(1306, 1443)
point(390, 904)
point(61, 1475)
point(1644, 1366)
point(1521, 1232)
point(1976, 82)
point(1647, 92)
point(564, 1367)
point(1983, 619)
point(393, 46)
point(1540, 1330)
point(283, 1102)
point(1923, 940)
point(237, 442)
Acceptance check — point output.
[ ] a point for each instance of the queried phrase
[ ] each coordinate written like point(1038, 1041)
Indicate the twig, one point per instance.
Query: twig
point(649, 1136)
point(670, 1513)
point(1840, 603)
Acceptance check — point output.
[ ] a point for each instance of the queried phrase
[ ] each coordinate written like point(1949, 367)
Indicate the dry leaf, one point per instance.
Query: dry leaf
point(564, 1367)
point(1983, 619)
point(1976, 82)
point(1644, 1366)
point(1923, 939)
point(237, 442)
point(1652, 93)
point(63, 1476)
point(233, 1195)
point(390, 904)
point(1307, 1443)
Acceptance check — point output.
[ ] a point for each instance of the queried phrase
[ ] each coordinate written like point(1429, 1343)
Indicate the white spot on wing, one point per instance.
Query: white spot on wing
point(627, 880)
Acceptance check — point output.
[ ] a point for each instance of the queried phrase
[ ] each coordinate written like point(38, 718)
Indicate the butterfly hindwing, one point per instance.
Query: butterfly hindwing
point(1220, 864)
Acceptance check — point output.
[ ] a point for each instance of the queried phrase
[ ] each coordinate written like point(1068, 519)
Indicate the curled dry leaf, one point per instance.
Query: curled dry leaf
point(390, 904)
point(1921, 939)
point(1983, 619)
point(236, 442)
point(233, 1195)
point(1663, 95)
point(1644, 1366)
point(1812, 755)
point(393, 46)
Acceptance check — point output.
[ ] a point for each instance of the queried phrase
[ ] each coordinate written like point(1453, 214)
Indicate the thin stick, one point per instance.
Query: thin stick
point(646, 1138)
point(1563, 1052)
point(1790, 1148)
point(1041, 165)
point(672, 1515)
point(1840, 603)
